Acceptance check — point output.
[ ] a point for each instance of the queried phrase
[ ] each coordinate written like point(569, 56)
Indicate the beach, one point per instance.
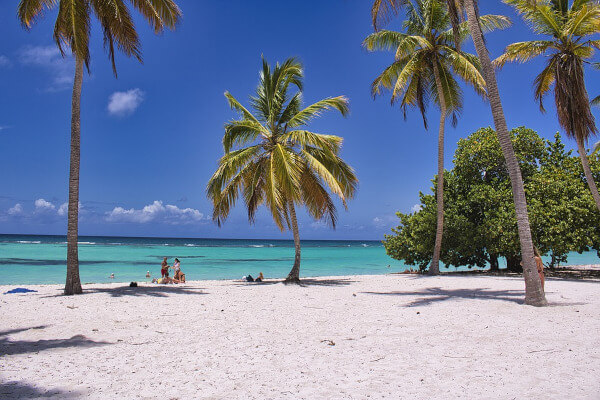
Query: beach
point(353, 337)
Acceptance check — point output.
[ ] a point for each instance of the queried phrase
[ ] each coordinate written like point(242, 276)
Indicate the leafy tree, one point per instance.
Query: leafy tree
point(72, 32)
point(271, 159)
point(381, 12)
point(569, 46)
point(426, 61)
point(481, 224)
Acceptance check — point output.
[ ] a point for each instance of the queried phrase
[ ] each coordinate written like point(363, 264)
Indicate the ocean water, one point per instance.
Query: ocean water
point(30, 259)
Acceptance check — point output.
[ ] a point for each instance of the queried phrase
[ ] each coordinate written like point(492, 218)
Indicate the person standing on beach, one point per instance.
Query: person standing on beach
point(539, 264)
point(164, 268)
point(176, 268)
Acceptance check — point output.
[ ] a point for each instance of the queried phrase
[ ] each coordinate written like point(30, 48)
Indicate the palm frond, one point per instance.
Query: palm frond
point(117, 26)
point(28, 11)
point(159, 13)
point(307, 138)
point(523, 51)
point(72, 28)
point(303, 116)
point(383, 10)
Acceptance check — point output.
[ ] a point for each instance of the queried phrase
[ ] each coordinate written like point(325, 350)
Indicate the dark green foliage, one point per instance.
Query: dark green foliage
point(480, 224)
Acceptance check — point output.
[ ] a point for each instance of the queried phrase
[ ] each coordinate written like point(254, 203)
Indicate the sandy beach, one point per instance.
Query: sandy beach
point(356, 337)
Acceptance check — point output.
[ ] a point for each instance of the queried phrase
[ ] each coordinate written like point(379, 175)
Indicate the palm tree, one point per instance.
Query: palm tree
point(271, 159)
point(72, 31)
point(426, 59)
point(567, 50)
point(534, 293)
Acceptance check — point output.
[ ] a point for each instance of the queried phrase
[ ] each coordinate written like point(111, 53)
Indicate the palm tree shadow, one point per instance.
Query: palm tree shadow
point(13, 347)
point(436, 295)
point(18, 330)
point(21, 390)
point(140, 291)
point(303, 282)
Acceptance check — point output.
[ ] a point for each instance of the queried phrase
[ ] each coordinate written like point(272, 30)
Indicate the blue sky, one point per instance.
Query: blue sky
point(151, 138)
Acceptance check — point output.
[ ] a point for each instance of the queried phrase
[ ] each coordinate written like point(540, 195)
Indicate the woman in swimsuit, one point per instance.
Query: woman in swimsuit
point(176, 269)
point(164, 268)
point(539, 264)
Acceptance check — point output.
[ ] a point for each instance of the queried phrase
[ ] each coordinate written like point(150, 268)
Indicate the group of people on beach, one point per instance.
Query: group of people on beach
point(178, 276)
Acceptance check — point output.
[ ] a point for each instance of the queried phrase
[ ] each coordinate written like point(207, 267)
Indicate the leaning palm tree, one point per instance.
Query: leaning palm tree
point(381, 12)
point(567, 49)
point(72, 31)
point(272, 159)
point(425, 63)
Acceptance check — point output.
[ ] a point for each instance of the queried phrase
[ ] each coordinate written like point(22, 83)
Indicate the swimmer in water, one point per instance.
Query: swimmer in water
point(112, 276)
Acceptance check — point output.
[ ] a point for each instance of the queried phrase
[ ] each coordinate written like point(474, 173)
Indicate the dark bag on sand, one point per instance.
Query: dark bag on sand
point(249, 278)
point(133, 284)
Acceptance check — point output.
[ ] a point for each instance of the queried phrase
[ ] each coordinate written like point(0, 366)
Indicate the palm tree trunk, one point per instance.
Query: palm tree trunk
point(294, 275)
point(434, 268)
point(587, 171)
point(534, 293)
point(73, 284)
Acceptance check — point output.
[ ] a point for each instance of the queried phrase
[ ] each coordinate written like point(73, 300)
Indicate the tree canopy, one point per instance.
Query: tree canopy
point(481, 225)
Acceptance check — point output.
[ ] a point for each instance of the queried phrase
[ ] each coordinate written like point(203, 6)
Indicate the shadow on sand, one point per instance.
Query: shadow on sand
point(12, 347)
point(22, 390)
point(150, 291)
point(435, 295)
point(306, 282)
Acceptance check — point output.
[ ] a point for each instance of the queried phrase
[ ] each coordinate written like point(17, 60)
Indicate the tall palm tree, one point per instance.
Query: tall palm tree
point(72, 31)
point(271, 159)
point(425, 64)
point(534, 293)
point(567, 49)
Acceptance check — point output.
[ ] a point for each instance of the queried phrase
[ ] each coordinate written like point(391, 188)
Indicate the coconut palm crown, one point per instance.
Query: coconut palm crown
point(569, 46)
point(272, 159)
point(428, 43)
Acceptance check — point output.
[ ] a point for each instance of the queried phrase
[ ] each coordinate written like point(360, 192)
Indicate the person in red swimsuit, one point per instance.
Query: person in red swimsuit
point(164, 268)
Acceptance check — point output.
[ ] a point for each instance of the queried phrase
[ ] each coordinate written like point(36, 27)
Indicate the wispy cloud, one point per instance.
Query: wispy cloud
point(125, 103)
point(5, 61)
point(16, 210)
point(49, 57)
point(156, 212)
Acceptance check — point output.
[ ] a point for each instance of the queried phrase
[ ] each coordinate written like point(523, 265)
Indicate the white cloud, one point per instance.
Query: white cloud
point(4, 61)
point(16, 210)
point(125, 103)
point(62, 210)
point(42, 205)
point(156, 212)
point(416, 208)
point(49, 57)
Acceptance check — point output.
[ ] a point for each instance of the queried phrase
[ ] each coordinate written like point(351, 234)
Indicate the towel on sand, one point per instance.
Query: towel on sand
point(20, 290)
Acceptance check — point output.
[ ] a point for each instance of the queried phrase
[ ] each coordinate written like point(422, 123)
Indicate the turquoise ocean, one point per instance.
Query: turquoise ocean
point(31, 259)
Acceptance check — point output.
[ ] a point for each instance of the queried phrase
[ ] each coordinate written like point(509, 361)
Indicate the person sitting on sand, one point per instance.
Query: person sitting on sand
point(260, 278)
point(539, 264)
point(164, 268)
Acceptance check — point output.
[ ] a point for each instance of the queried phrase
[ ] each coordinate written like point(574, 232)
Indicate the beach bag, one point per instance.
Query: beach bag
point(133, 284)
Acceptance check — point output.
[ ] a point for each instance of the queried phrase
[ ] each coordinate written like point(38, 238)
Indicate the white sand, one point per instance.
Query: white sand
point(401, 336)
